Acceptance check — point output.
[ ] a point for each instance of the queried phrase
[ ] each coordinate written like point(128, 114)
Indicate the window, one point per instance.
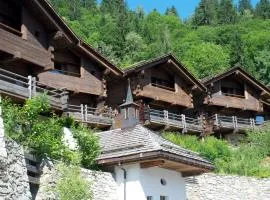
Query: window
point(164, 198)
point(237, 92)
point(163, 182)
point(149, 198)
point(161, 83)
point(67, 69)
point(126, 113)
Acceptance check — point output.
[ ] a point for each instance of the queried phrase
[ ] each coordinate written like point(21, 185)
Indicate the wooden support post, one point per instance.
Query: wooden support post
point(0, 105)
point(29, 87)
point(235, 125)
point(82, 112)
point(86, 112)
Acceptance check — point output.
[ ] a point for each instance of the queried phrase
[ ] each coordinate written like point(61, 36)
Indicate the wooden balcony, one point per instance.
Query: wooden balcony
point(170, 121)
point(26, 87)
point(92, 116)
point(232, 123)
point(11, 42)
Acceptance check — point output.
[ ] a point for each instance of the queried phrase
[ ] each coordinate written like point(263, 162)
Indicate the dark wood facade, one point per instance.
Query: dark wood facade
point(164, 90)
point(40, 53)
point(234, 100)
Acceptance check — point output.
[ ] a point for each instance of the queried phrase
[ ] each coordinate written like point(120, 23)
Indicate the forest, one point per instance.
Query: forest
point(219, 35)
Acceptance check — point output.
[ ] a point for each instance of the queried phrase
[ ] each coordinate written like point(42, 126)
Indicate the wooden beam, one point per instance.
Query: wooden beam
point(154, 163)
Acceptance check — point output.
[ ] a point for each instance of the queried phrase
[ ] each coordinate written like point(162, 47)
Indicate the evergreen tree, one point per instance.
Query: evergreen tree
point(263, 9)
point(172, 11)
point(226, 12)
point(244, 5)
point(237, 50)
point(206, 12)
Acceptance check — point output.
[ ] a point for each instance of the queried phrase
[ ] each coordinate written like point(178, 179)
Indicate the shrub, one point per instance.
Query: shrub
point(248, 159)
point(71, 185)
point(35, 127)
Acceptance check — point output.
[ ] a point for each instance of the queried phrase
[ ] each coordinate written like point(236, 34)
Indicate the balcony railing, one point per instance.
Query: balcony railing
point(27, 87)
point(166, 118)
point(91, 115)
point(233, 122)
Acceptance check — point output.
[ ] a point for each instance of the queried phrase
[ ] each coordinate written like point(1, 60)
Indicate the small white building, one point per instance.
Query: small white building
point(146, 166)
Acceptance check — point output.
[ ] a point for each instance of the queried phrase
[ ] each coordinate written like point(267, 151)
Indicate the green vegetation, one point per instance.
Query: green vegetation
point(217, 36)
point(250, 158)
point(35, 127)
point(71, 185)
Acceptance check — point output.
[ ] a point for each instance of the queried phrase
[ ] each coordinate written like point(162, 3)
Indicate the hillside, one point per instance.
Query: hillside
point(210, 41)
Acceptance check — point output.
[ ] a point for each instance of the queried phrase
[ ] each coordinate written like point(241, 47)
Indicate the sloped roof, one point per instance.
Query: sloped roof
point(121, 143)
point(237, 69)
point(49, 12)
point(162, 59)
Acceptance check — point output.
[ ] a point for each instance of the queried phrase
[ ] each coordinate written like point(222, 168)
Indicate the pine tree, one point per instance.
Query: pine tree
point(244, 5)
point(172, 11)
point(226, 12)
point(263, 9)
point(89, 3)
point(206, 12)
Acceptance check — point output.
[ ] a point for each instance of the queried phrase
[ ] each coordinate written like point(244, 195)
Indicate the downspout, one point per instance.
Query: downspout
point(125, 181)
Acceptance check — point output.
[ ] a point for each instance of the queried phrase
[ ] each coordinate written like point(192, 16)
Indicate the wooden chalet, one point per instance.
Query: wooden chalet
point(40, 53)
point(164, 89)
point(235, 101)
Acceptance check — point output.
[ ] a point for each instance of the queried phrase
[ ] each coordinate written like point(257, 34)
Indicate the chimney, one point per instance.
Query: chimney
point(129, 111)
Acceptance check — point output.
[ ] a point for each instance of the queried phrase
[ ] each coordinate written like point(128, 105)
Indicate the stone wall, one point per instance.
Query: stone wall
point(102, 184)
point(217, 187)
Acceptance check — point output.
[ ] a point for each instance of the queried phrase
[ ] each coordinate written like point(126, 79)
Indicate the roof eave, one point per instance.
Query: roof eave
point(205, 167)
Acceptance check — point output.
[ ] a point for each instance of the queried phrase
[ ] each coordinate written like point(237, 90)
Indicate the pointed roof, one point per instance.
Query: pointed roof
point(168, 58)
point(129, 97)
point(242, 73)
point(138, 144)
point(44, 9)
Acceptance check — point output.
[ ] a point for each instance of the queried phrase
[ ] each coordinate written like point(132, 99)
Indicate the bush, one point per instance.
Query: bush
point(35, 127)
point(71, 185)
point(248, 159)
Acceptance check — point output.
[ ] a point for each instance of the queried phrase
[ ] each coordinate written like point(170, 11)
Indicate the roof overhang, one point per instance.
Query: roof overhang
point(186, 166)
point(46, 9)
point(239, 71)
point(170, 59)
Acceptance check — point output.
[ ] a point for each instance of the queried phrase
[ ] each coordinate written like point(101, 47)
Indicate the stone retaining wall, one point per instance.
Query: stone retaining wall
point(217, 187)
point(102, 184)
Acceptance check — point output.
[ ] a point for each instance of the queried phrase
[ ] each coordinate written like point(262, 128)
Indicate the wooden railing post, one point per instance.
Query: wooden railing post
point(82, 112)
point(29, 87)
point(34, 86)
point(86, 112)
point(235, 122)
point(184, 123)
point(216, 120)
point(166, 116)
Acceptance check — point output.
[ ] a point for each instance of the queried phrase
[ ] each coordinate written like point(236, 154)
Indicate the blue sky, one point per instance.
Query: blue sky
point(184, 7)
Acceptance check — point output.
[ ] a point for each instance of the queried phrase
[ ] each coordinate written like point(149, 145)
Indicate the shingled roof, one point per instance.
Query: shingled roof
point(139, 143)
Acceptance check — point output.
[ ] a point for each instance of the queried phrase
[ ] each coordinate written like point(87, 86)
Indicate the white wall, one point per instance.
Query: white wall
point(146, 182)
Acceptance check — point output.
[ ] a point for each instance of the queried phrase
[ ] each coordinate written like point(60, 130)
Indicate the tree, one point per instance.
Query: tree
point(237, 50)
point(263, 9)
point(226, 12)
point(89, 3)
point(244, 5)
point(206, 12)
point(172, 11)
point(206, 59)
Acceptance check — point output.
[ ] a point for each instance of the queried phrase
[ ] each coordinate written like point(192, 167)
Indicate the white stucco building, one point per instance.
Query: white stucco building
point(145, 165)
